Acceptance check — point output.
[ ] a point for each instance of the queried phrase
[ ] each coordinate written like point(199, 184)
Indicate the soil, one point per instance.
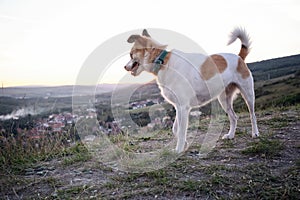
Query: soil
point(262, 168)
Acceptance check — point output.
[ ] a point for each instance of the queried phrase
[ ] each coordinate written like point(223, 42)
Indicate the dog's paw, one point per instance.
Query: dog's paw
point(255, 135)
point(175, 151)
point(228, 137)
point(178, 151)
point(181, 148)
point(186, 146)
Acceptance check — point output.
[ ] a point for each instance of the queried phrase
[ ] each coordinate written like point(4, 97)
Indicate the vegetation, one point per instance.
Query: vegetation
point(264, 147)
point(19, 152)
point(274, 68)
point(264, 168)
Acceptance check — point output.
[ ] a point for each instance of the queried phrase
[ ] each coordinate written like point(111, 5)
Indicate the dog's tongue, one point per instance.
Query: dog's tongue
point(133, 70)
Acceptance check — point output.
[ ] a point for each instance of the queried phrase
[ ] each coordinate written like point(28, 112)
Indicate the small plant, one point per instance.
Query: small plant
point(19, 152)
point(264, 147)
point(78, 153)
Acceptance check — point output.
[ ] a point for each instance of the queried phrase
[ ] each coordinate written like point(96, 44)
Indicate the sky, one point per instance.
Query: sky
point(46, 42)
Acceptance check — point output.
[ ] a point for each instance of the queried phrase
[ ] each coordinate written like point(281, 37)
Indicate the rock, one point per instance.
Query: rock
point(51, 168)
point(29, 171)
point(40, 173)
point(39, 168)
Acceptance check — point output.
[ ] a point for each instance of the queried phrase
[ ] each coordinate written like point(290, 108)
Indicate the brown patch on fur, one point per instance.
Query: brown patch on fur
point(155, 53)
point(243, 69)
point(213, 65)
point(243, 52)
point(167, 58)
point(230, 89)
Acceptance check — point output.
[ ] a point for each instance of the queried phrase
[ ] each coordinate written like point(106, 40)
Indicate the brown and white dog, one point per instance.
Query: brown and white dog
point(188, 80)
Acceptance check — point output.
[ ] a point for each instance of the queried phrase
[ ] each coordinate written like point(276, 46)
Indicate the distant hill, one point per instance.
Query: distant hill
point(274, 68)
point(25, 92)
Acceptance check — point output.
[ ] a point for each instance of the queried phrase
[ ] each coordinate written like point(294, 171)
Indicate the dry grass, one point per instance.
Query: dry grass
point(265, 168)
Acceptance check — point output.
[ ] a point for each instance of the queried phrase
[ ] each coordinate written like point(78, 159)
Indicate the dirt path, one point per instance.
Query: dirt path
point(264, 168)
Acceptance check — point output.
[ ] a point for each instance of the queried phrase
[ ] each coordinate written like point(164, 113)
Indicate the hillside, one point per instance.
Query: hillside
point(26, 92)
point(274, 68)
point(263, 168)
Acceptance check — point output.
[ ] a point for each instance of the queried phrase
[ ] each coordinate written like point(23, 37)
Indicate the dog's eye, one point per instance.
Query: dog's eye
point(131, 55)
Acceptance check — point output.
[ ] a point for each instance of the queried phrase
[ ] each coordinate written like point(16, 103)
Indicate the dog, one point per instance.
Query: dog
point(189, 80)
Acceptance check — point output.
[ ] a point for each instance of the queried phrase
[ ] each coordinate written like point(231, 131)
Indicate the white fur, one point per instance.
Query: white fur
point(182, 85)
point(240, 33)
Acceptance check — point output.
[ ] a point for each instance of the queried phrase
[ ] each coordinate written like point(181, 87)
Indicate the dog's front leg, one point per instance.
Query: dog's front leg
point(182, 116)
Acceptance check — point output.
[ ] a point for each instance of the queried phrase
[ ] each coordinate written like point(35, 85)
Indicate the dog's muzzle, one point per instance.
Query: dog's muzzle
point(132, 66)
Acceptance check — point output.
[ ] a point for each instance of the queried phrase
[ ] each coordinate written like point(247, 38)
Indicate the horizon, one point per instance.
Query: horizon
point(46, 43)
point(50, 86)
point(120, 83)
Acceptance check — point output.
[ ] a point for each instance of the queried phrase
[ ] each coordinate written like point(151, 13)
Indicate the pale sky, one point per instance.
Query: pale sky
point(46, 42)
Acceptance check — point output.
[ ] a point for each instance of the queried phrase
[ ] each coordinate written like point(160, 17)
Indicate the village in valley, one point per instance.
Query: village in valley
point(64, 122)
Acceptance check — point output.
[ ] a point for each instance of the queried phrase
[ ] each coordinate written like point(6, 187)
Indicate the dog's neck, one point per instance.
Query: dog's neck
point(161, 57)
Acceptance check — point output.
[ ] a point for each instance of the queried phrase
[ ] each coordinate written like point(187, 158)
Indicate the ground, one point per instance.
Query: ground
point(267, 167)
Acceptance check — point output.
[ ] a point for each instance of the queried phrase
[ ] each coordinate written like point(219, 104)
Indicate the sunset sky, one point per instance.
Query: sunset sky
point(46, 42)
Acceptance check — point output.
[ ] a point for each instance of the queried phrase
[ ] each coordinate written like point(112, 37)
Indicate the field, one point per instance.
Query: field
point(267, 167)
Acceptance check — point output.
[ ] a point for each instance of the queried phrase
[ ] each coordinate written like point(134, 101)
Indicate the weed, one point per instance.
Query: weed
point(264, 147)
point(71, 192)
point(228, 144)
point(189, 185)
point(53, 182)
point(278, 122)
point(77, 153)
point(19, 153)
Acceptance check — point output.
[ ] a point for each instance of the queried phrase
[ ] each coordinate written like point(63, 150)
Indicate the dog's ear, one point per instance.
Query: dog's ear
point(140, 41)
point(133, 38)
point(163, 46)
point(145, 33)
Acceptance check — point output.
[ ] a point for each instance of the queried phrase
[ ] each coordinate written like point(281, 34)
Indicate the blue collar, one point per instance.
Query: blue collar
point(159, 61)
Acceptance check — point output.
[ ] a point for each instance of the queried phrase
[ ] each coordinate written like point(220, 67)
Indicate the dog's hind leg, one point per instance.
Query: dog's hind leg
point(182, 116)
point(247, 91)
point(226, 100)
point(175, 127)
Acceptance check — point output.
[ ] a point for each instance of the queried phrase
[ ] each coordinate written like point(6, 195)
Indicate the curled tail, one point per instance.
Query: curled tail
point(245, 39)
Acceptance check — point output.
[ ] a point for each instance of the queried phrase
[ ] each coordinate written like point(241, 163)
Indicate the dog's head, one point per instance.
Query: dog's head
point(143, 53)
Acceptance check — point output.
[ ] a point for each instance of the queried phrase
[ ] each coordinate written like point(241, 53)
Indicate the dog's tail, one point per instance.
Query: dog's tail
point(245, 39)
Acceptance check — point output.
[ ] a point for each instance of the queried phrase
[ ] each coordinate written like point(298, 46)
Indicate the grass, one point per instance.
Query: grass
point(19, 153)
point(70, 193)
point(138, 142)
point(264, 147)
point(218, 182)
point(76, 153)
point(236, 169)
point(274, 93)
